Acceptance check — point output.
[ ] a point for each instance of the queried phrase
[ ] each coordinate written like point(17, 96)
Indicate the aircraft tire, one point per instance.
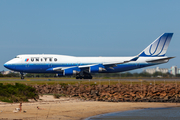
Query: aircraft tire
point(88, 77)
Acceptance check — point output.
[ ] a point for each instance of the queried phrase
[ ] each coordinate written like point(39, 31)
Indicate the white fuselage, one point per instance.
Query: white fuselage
point(42, 63)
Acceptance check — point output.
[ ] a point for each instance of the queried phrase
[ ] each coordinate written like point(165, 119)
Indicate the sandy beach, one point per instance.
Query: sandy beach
point(70, 108)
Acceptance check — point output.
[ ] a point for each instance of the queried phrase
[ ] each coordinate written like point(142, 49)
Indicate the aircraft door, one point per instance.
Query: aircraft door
point(137, 65)
point(78, 63)
point(50, 62)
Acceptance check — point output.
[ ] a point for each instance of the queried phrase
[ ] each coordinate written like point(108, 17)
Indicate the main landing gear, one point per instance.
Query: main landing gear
point(22, 75)
point(84, 77)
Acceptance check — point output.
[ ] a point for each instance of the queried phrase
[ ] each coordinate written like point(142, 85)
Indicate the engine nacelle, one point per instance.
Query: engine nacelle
point(69, 72)
point(95, 69)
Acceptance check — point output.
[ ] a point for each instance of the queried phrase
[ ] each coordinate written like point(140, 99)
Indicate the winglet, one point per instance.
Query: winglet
point(158, 47)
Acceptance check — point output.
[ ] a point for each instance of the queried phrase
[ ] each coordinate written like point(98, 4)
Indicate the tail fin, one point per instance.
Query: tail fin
point(158, 47)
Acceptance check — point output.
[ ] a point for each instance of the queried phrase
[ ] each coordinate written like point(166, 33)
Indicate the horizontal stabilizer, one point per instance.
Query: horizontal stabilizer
point(160, 60)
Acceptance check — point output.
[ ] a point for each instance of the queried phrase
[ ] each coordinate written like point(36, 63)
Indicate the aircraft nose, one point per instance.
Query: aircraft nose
point(6, 65)
point(11, 64)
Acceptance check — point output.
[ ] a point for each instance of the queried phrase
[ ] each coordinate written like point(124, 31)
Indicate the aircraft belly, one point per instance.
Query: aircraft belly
point(127, 67)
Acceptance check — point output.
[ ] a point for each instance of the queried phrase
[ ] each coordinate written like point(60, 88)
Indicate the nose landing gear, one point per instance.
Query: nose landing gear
point(22, 75)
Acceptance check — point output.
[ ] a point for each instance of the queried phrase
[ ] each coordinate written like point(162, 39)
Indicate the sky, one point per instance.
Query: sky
point(87, 27)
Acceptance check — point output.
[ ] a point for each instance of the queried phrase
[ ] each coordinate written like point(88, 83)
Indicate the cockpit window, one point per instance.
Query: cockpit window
point(17, 57)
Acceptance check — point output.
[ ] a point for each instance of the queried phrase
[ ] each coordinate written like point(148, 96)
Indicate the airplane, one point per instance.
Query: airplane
point(83, 67)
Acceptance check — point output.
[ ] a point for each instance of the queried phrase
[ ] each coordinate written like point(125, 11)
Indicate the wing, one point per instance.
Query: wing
point(93, 67)
point(114, 64)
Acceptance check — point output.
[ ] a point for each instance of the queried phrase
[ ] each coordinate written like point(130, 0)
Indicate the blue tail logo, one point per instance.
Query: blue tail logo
point(158, 47)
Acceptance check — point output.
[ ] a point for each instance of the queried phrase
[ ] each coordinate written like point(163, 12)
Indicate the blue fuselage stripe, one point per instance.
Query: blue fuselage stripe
point(42, 68)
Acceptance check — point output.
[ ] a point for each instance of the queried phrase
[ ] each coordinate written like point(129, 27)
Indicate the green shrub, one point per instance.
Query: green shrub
point(17, 93)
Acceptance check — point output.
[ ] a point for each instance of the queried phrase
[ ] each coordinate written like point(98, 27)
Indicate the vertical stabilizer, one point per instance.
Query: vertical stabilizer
point(158, 47)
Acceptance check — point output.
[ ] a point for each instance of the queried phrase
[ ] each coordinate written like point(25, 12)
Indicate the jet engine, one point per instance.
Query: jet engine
point(95, 69)
point(69, 72)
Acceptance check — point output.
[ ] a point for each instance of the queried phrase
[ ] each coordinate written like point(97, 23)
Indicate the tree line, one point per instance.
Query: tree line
point(104, 75)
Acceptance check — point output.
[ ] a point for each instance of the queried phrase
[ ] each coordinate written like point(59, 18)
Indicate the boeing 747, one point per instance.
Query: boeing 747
point(83, 67)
